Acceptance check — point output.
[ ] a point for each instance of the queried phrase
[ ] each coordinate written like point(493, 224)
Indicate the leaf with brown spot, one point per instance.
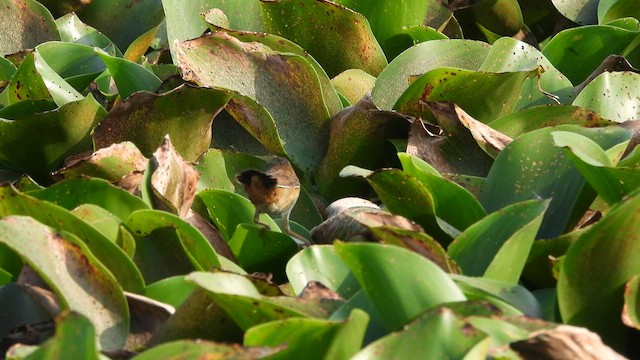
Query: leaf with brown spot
point(174, 181)
point(263, 79)
point(79, 280)
point(185, 113)
point(111, 163)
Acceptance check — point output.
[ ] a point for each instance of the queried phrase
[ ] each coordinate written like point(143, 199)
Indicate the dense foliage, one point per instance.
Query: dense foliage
point(498, 138)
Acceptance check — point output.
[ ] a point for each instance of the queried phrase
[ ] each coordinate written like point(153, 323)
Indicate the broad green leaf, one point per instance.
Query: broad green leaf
point(15, 203)
point(112, 18)
point(196, 246)
point(297, 126)
point(613, 95)
point(453, 203)
point(519, 174)
point(321, 264)
point(184, 21)
point(311, 338)
point(7, 70)
point(277, 43)
point(611, 183)
point(511, 299)
point(410, 36)
point(129, 76)
point(360, 300)
point(577, 52)
point(618, 9)
point(485, 96)
point(74, 339)
point(580, 11)
point(358, 136)
point(497, 246)
point(312, 25)
point(442, 333)
point(260, 250)
point(173, 290)
point(199, 349)
point(631, 309)
point(387, 275)
point(36, 80)
point(77, 64)
point(414, 165)
point(227, 210)
point(353, 84)
point(53, 136)
point(185, 113)
point(102, 220)
point(139, 46)
point(199, 317)
point(26, 23)
point(542, 257)
point(509, 55)
point(73, 30)
point(501, 17)
point(537, 117)
point(390, 18)
point(430, 55)
point(243, 303)
point(595, 301)
point(418, 242)
point(80, 281)
point(71, 193)
point(429, 200)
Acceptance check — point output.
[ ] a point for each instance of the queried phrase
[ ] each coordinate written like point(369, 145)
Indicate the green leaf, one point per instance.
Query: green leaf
point(196, 246)
point(129, 76)
point(511, 299)
point(80, 282)
point(387, 275)
point(18, 308)
point(297, 126)
point(54, 136)
point(358, 136)
point(619, 9)
point(353, 84)
point(311, 338)
point(321, 264)
point(631, 309)
point(485, 96)
point(77, 64)
point(613, 95)
point(7, 70)
point(510, 55)
point(227, 210)
point(579, 11)
point(442, 333)
point(313, 24)
point(243, 303)
point(15, 203)
point(184, 21)
point(185, 113)
point(577, 52)
point(73, 30)
point(74, 192)
point(396, 77)
point(26, 23)
point(102, 220)
point(173, 290)
point(260, 250)
point(519, 174)
point(36, 80)
point(497, 246)
point(122, 21)
point(594, 301)
point(74, 338)
point(198, 349)
point(538, 117)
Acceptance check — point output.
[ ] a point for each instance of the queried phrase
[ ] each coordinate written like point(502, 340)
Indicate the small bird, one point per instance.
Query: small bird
point(274, 191)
